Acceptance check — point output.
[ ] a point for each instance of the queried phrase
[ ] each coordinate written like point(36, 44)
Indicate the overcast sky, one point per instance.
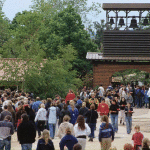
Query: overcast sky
point(11, 7)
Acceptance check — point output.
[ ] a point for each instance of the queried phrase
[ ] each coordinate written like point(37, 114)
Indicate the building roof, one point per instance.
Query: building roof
point(126, 6)
point(99, 56)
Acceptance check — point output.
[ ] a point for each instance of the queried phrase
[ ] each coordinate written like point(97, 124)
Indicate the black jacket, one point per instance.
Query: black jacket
point(123, 103)
point(41, 145)
point(26, 132)
point(92, 116)
point(83, 111)
point(62, 114)
point(114, 108)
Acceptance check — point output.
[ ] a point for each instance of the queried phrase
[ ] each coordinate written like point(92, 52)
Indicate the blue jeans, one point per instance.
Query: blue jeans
point(129, 124)
point(114, 121)
point(92, 126)
point(26, 146)
point(139, 102)
point(5, 143)
point(52, 130)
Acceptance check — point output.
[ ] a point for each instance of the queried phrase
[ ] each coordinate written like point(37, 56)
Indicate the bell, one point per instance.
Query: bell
point(121, 22)
point(111, 21)
point(133, 23)
point(145, 22)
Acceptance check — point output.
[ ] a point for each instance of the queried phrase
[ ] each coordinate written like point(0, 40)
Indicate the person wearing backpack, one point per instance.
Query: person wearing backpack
point(53, 113)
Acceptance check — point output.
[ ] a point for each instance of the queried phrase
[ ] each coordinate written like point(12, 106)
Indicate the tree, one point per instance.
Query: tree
point(45, 78)
point(66, 28)
point(133, 75)
point(80, 7)
point(4, 27)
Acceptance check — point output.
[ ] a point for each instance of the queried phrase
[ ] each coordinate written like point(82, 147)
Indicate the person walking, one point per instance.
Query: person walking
point(53, 113)
point(103, 108)
point(68, 140)
point(129, 112)
point(6, 130)
point(92, 116)
point(148, 94)
point(41, 119)
point(74, 113)
point(83, 110)
point(122, 104)
point(35, 105)
point(63, 126)
point(26, 133)
point(114, 108)
point(45, 143)
point(4, 113)
point(70, 96)
point(82, 130)
point(106, 133)
point(19, 113)
point(64, 112)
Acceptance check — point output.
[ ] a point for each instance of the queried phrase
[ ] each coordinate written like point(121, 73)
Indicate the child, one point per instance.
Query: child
point(137, 138)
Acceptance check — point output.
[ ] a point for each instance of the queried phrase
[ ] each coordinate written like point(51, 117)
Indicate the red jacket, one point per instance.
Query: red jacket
point(103, 109)
point(70, 96)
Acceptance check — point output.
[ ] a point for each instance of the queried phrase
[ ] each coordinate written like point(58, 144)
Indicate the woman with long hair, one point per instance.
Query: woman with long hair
point(10, 109)
point(92, 116)
point(106, 133)
point(74, 113)
point(45, 143)
point(82, 130)
point(19, 113)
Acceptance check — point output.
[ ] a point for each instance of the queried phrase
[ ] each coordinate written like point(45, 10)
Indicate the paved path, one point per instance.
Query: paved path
point(120, 138)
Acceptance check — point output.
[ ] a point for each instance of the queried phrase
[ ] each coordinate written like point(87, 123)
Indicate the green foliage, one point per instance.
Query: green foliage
point(45, 78)
point(4, 28)
point(132, 75)
point(52, 44)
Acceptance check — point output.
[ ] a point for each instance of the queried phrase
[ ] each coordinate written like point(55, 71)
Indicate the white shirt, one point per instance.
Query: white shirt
point(148, 93)
point(41, 114)
point(102, 89)
point(79, 132)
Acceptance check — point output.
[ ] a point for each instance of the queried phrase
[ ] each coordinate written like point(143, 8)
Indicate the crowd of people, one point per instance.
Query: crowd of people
point(72, 118)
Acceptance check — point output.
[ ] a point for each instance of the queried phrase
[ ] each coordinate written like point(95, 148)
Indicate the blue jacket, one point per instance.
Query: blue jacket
point(106, 133)
point(41, 145)
point(146, 98)
point(74, 115)
point(35, 106)
point(69, 141)
point(79, 101)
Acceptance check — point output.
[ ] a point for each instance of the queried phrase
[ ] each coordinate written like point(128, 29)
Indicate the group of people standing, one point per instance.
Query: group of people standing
point(72, 119)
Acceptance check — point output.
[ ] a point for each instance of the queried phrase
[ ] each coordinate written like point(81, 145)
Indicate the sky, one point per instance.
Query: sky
point(11, 7)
